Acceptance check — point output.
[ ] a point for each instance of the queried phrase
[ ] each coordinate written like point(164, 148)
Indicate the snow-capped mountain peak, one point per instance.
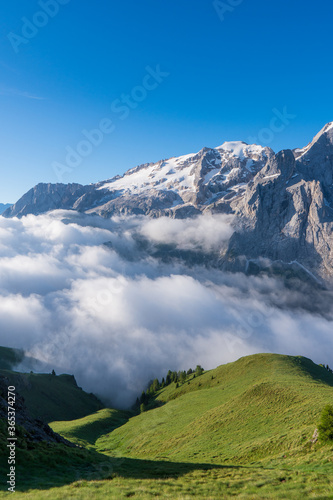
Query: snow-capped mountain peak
point(194, 178)
point(283, 201)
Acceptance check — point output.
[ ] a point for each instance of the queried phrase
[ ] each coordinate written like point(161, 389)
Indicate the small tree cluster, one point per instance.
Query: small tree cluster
point(155, 385)
point(175, 377)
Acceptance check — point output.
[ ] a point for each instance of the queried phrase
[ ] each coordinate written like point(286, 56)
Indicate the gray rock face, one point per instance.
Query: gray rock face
point(285, 213)
point(45, 197)
point(151, 202)
point(4, 206)
point(283, 202)
point(174, 187)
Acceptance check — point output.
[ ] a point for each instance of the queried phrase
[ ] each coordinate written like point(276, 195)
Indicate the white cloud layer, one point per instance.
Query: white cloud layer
point(116, 316)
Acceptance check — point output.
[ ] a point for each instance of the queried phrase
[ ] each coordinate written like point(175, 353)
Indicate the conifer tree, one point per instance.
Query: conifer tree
point(155, 385)
point(199, 370)
point(326, 424)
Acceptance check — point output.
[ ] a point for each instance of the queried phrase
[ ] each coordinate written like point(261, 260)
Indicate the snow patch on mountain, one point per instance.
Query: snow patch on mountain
point(176, 172)
point(194, 177)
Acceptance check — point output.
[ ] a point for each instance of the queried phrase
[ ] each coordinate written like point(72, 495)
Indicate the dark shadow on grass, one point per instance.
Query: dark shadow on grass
point(315, 372)
point(55, 467)
point(158, 469)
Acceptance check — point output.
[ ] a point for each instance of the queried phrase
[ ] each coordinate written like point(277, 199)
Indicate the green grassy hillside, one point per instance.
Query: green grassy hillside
point(87, 430)
point(243, 430)
point(261, 406)
point(52, 397)
point(47, 396)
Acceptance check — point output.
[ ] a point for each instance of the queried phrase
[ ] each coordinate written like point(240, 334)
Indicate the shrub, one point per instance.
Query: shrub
point(199, 370)
point(325, 427)
point(142, 408)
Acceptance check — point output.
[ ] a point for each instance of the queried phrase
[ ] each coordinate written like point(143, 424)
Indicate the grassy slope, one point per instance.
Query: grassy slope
point(245, 433)
point(52, 397)
point(87, 430)
point(40, 466)
point(260, 406)
point(47, 397)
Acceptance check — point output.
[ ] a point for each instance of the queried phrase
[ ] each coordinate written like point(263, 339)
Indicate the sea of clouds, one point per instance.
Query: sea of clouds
point(84, 295)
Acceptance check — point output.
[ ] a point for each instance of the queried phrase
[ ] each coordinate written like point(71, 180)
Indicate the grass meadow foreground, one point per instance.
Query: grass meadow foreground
point(243, 430)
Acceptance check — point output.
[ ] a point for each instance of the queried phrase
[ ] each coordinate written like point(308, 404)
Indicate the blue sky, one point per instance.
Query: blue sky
point(227, 74)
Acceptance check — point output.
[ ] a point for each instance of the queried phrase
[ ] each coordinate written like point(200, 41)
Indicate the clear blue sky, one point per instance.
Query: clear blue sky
point(225, 78)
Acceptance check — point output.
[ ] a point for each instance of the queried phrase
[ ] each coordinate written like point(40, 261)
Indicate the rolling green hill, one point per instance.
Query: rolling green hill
point(260, 407)
point(53, 397)
point(243, 430)
point(48, 397)
point(87, 430)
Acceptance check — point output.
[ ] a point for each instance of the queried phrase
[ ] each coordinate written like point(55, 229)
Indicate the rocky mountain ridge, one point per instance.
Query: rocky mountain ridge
point(4, 206)
point(177, 187)
point(283, 202)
